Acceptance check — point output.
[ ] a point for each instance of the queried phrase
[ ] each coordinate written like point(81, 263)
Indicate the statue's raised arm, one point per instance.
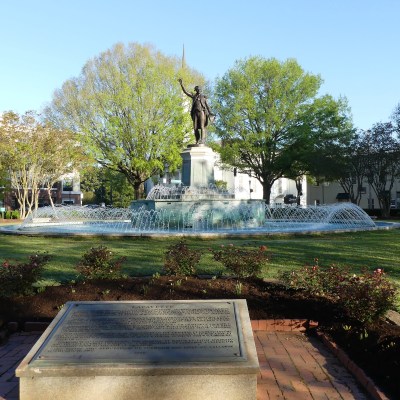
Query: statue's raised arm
point(184, 90)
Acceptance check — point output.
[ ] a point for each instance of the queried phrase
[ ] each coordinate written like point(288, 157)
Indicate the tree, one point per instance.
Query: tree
point(102, 185)
point(61, 154)
point(35, 155)
point(395, 119)
point(271, 122)
point(128, 108)
point(354, 171)
point(322, 136)
point(19, 153)
point(383, 162)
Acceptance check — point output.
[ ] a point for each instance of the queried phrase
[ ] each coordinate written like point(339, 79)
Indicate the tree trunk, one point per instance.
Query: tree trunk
point(267, 192)
point(136, 190)
point(51, 201)
point(385, 206)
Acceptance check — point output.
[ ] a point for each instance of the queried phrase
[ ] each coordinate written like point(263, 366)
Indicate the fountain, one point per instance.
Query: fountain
point(231, 220)
point(197, 207)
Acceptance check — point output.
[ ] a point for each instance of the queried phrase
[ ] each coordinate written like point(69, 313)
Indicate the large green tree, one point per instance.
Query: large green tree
point(128, 107)
point(271, 122)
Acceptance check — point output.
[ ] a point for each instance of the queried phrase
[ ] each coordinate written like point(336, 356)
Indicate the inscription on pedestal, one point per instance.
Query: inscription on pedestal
point(138, 332)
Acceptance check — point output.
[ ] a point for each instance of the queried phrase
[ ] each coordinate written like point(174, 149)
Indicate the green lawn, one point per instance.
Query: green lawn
point(375, 249)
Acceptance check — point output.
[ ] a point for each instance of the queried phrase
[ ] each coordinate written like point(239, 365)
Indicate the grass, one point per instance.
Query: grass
point(370, 249)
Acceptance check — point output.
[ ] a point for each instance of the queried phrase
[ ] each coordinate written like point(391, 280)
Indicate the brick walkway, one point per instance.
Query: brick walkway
point(297, 367)
point(11, 354)
point(293, 367)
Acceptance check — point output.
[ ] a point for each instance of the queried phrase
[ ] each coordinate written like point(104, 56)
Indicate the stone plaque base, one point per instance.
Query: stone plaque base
point(156, 387)
point(170, 350)
point(198, 166)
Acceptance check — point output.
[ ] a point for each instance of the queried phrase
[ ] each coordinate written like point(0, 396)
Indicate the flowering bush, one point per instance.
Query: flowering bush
point(243, 263)
point(17, 279)
point(368, 296)
point(180, 260)
point(97, 263)
point(315, 279)
point(364, 297)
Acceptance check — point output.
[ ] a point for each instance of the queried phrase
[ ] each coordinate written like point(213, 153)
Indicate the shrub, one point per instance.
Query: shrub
point(179, 259)
point(221, 185)
point(318, 280)
point(15, 214)
point(11, 214)
point(364, 297)
point(368, 296)
point(243, 263)
point(17, 279)
point(97, 263)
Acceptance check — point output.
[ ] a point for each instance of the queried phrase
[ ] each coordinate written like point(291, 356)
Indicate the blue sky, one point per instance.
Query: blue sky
point(353, 44)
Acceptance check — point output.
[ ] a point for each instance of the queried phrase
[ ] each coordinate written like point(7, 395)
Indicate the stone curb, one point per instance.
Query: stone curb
point(13, 327)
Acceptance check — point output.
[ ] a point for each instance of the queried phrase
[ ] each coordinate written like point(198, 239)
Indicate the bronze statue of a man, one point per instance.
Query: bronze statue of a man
point(200, 113)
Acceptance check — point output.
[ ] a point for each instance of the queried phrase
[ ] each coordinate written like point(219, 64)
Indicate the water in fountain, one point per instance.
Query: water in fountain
point(161, 192)
point(324, 217)
point(104, 220)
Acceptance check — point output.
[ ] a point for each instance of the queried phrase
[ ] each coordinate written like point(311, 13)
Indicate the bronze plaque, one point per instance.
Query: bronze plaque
point(142, 332)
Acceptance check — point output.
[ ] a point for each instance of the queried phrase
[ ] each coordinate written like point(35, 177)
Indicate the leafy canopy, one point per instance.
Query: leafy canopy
point(127, 106)
point(271, 120)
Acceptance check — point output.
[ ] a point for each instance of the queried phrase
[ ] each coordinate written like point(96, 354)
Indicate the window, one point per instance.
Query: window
point(68, 185)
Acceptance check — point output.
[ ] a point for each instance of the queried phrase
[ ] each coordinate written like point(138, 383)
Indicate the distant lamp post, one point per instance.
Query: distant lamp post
point(104, 191)
point(166, 174)
point(2, 203)
point(250, 188)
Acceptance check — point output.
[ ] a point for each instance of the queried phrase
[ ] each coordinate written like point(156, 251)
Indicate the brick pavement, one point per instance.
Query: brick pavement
point(11, 354)
point(292, 367)
point(297, 367)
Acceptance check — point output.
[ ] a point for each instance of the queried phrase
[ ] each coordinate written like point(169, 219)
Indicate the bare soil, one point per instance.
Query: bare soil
point(376, 349)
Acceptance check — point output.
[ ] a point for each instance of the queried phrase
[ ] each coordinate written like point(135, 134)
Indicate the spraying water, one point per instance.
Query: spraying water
point(196, 219)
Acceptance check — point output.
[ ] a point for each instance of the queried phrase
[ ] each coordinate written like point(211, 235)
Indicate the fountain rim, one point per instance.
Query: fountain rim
point(379, 225)
point(285, 225)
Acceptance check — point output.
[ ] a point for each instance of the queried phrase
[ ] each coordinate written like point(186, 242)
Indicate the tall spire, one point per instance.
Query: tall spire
point(183, 57)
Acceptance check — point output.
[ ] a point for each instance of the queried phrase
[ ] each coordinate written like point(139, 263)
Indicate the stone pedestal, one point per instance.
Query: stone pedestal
point(198, 166)
point(144, 350)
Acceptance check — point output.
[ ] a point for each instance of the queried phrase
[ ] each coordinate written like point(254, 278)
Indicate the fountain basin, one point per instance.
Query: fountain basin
point(200, 214)
point(73, 220)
